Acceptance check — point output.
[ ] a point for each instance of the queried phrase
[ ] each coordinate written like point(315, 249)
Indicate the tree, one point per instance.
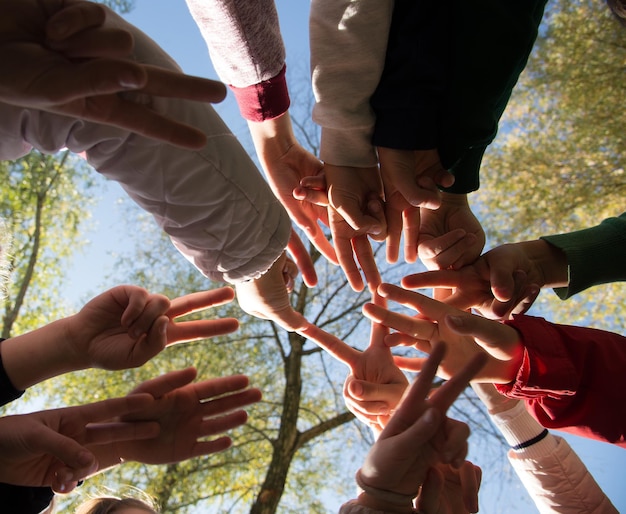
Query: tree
point(558, 163)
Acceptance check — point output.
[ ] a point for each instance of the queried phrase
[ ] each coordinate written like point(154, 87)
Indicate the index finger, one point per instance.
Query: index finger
point(445, 395)
point(302, 258)
point(199, 301)
point(332, 344)
point(437, 278)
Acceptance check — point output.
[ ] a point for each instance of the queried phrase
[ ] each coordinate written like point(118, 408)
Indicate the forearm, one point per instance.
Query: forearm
point(247, 51)
point(572, 378)
point(592, 256)
point(39, 355)
point(348, 39)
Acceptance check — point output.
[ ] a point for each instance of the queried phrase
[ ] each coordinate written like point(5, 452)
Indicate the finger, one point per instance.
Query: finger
point(529, 297)
point(428, 307)
point(200, 329)
point(207, 389)
point(78, 461)
point(387, 395)
point(454, 255)
point(345, 256)
point(113, 110)
point(104, 433)
point(411, 364)
point(499, 340)
point(416, 328)
point(221, 424)
point(231, 402)
point(302, 259)
point(155, 308)
point(113, 407)
point(393, 215)
point(160, 386)
point(74, 18)
point(364, 254)
point(445, 395)
point(208, 447)
point(175, 84)
point(135, 299)
point(199, 301)
point(430, 248)
point(314, 196)
point(413, 404)
point(470, 476)
point(453, 446)
point(431, 491)
point(313, 232)
point(333, 345)
point(411, 221)
point(436, 278)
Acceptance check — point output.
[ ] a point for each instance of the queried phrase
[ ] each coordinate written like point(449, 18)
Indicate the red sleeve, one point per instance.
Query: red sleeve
point(572, 378)
point(265, 100)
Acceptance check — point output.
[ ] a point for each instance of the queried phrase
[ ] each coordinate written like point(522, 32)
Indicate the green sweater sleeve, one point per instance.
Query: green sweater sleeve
point(595, 255)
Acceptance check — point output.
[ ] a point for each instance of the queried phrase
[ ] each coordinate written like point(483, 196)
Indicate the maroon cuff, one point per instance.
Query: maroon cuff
point(265, 100)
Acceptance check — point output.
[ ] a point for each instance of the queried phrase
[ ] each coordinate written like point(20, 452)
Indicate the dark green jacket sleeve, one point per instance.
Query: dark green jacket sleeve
point(449, 73)
point(595, 255)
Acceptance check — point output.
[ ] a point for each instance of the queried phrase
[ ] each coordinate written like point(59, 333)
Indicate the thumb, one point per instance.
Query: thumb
point(499, 340)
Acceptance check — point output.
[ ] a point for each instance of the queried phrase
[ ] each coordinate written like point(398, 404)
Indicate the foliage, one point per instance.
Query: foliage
point(558, 162)
point(120, 6)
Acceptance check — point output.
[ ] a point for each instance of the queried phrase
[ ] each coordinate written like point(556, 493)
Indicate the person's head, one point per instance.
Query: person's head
point(111, 505)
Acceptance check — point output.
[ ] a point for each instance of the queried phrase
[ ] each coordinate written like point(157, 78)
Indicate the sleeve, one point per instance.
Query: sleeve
point(247, 51)
point(23, 499)
point(348, 39)
point(595, 255)
point(476, 53)
point(213, 203)
point(572, 378)
point(8, 393)
point(559, 482)
point(352, 507)
point(554, 476)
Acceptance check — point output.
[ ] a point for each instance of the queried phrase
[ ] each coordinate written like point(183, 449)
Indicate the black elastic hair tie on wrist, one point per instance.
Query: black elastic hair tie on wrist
point(532, 441)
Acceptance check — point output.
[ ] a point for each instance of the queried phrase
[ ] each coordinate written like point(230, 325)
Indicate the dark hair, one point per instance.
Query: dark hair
point(111, 505)
point(619, 9)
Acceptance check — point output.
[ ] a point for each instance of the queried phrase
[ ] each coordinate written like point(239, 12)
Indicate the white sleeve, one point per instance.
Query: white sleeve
point(348, 45)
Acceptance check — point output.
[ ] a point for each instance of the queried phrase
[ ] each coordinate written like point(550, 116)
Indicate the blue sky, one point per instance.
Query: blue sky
point(168, 22)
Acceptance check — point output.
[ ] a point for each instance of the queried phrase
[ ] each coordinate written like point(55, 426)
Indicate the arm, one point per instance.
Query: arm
point(78, 71)
point(554, 476)
point(121, 328)
point(604, 246)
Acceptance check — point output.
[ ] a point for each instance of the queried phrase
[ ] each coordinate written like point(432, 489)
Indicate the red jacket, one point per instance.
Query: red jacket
point(572, 378)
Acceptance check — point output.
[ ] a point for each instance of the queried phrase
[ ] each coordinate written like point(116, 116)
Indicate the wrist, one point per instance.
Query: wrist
point(272, 138)
point(371, 502)
point(454, 199)
point(382, 499)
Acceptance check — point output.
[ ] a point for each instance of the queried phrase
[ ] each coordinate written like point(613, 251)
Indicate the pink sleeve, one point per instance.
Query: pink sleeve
point(572, 378)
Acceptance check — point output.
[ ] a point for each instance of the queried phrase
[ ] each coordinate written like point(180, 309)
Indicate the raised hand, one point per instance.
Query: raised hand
point(50, 448)
point(351, 245)
point(187, 413)
point(72, 57)
point(417, 437)
point(450, 236)
point(504, 281)
point(126, 326)
point(466, 334)
point(375, 385)
point(286, 163)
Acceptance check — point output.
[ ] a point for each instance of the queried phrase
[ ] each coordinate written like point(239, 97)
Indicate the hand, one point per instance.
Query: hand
point(418, 436)
point(70, 57)
point(504, 281)
point(187, 414)
point(48, 448)
point(267, 297)
point(448, 490)
point(286, 163)
point(126, 326)
point(375, 385)
point(466, 334)
point(349, 243)
point(450, 236)
point(410, 179)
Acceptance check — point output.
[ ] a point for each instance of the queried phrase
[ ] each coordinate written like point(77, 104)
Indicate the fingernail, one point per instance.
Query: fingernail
point(430, 416)
point(357, 388)
point(375, 229)
point(130, 80)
